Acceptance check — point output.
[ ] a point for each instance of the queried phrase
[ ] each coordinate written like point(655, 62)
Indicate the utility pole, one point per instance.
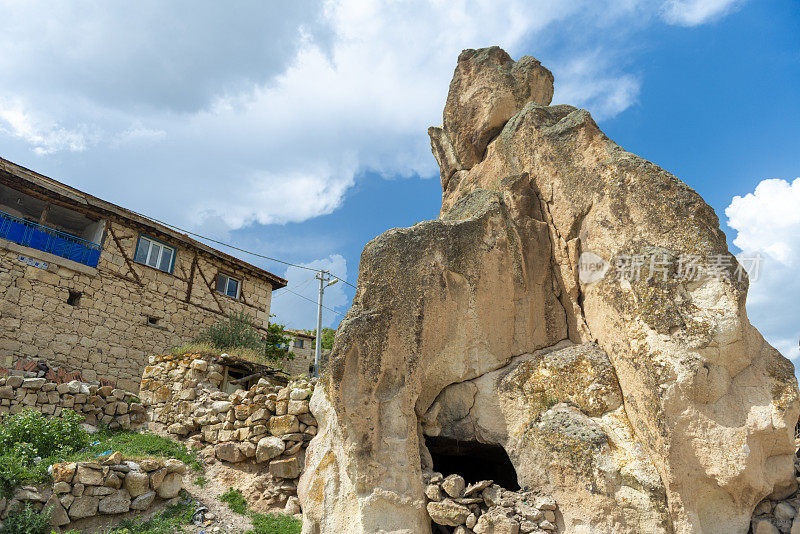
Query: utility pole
point(324, 278)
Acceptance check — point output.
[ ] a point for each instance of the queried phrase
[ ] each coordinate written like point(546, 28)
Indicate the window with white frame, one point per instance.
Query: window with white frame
point(298, 343)
point(228, 286)
point(155, 254)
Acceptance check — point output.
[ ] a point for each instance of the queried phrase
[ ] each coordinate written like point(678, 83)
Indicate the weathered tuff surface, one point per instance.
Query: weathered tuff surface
point(488, 88)
point(668, 412)
point(558, 414)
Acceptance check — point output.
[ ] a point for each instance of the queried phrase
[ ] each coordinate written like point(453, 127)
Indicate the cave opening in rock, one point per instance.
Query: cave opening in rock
point(472, 460)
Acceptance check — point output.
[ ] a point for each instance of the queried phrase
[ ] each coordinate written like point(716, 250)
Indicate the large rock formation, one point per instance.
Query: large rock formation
point(640, 398)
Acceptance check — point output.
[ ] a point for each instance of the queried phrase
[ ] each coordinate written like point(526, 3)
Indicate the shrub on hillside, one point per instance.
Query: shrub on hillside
point(18, 466)
point(30, 441)
point(46, 436)
point(239, 332)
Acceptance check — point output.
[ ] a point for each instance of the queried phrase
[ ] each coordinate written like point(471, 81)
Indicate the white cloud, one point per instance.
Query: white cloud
point(696, 12)
point(590, 80)
point(767, 222)
point(195, 113)
point(44, 136)
point(298, 309)
point(291, 196)
point(150, 55)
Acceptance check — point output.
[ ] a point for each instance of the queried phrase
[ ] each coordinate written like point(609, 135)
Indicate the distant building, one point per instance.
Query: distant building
point(302, 346)
point(93, 287)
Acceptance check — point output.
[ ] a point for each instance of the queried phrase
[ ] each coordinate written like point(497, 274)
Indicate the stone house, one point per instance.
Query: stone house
point(93, 287)
point(302, 346)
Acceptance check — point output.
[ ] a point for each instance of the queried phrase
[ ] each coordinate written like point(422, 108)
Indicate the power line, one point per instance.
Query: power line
point(312, 301)
point(240, 249)
point(298, 287)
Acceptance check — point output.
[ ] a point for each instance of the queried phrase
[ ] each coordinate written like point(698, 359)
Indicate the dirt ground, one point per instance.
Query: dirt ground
point(224, 520)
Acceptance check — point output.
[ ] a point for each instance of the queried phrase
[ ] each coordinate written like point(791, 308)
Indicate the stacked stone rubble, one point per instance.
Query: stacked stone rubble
point(267, 424)
point(113, 486)
point(779, 516)
point(99, 405)
point(486, 508)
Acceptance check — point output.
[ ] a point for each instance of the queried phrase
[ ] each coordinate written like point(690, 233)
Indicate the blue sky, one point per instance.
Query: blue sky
point(298, 130)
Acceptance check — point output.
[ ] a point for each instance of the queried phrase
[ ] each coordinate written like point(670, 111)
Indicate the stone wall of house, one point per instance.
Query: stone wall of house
point(303, 359)
point(269, 423)
point(86, 489)
point(103, 322)
point(99, 405)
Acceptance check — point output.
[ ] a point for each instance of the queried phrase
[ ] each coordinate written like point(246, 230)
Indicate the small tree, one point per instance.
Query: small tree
point(28, 520)
point(328, 335)
point(277, 343)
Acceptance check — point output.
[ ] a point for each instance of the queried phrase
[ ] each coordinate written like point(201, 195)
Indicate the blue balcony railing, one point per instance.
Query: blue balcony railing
point(50, 240)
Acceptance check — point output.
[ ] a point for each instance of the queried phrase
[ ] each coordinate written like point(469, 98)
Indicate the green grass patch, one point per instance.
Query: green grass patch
point(207, 349)
point(171, 520)
point(196, 347)
point(262, 523)
point(275, 524)
point(235, 500)
point(136, 446)
point(200, 481)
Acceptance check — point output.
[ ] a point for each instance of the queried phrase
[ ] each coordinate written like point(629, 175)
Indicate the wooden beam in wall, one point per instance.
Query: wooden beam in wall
point(190, 282)
point(128, 261)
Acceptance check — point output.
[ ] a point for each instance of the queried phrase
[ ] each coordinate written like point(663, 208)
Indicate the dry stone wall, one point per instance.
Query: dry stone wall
point(86, 489)
point(104, 322)
point(99, 405)
point(268, 424)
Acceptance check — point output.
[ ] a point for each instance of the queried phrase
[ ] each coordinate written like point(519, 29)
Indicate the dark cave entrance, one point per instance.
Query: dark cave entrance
point(472, 460)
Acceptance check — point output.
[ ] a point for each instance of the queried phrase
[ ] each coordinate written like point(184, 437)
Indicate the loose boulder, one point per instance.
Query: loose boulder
point(269, 448)
point(117, 503)
point(448, 513)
